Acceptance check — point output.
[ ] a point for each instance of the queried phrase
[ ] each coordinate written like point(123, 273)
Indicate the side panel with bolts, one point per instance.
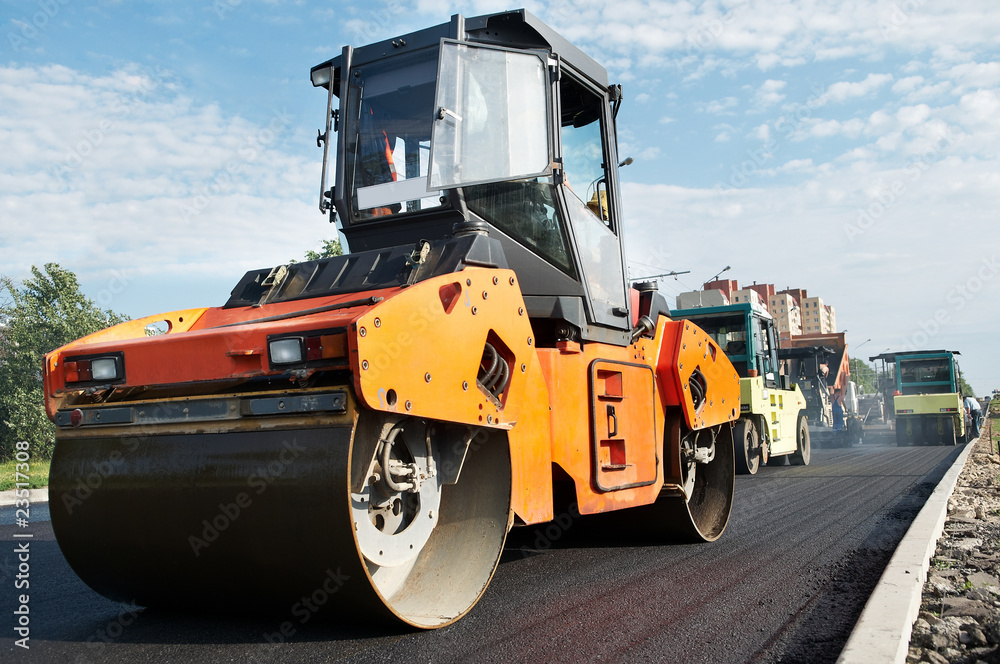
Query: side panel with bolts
point(421, 351)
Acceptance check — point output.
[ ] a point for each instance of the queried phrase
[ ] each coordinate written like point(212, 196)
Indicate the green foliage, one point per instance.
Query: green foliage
point(965, 388)
point(38, 474)
point(41, 314)
point(863, 375)
point(330, 248)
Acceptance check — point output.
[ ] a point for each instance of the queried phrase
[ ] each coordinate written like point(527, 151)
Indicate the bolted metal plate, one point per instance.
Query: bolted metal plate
point(97, 416)
point(307, 403)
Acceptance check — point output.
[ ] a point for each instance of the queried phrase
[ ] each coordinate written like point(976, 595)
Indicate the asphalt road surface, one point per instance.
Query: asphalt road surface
point(785, 583)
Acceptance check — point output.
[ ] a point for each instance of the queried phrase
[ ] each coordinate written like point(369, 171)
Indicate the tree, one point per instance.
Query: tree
point(863, 375)
point(41, 314)
point(330, 248)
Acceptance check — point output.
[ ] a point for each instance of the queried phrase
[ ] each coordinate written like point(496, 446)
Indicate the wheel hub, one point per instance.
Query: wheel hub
point(694, 452)
point(396, 510)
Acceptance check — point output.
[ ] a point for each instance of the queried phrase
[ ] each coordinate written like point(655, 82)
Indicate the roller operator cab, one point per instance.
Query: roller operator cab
point(376, 422)
point(772, 422)
point(927, 400)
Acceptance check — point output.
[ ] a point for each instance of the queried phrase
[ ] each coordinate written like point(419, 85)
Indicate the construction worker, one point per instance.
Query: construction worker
point(975, 415)
point(838, 410)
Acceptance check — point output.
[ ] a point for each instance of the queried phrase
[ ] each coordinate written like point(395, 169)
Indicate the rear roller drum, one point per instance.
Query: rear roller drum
point(700, 512)
point(948, 436)
point(693, 511)
point(902, 440)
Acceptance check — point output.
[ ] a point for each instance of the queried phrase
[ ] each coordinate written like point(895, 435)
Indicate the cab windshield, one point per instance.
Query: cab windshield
point(930, 376)
point(391, 110)
point(730, 332)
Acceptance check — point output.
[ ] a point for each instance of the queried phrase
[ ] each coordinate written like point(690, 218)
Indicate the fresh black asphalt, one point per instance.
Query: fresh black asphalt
point(785, 583)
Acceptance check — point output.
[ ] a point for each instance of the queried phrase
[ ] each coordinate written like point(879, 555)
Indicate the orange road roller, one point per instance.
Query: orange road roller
point(375, 423)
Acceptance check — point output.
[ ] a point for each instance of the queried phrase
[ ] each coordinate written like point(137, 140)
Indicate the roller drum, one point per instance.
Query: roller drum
point(260, 520)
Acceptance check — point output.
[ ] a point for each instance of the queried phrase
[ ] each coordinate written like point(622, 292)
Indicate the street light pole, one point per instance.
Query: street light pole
point(718, 275)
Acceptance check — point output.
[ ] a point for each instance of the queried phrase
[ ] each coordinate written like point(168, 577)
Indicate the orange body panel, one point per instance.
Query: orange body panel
point(202, 344)
point(581, 441)
point(686, 349)
point(419, 352)
point(531, 453)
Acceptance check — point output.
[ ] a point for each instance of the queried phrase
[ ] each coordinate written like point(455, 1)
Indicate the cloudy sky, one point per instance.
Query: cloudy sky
point(161, 149)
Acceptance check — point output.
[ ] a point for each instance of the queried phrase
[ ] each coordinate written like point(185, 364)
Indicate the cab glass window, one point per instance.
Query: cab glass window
point(526, 210)
point(391, 107)
point(585, 188)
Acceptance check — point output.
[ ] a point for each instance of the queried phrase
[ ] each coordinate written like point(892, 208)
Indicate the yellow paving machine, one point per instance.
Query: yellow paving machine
point(927, 400)
point(773, 423)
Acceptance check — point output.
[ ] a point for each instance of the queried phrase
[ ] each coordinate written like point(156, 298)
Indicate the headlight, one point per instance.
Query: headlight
point(286, 351)
point(104, 368)
point(108, 369)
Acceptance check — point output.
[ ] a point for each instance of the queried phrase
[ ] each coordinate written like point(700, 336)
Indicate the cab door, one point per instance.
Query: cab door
point(588, 191)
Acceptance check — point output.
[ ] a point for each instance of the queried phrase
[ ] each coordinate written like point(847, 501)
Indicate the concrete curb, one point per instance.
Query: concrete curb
point(882, 633)
point(8, 498)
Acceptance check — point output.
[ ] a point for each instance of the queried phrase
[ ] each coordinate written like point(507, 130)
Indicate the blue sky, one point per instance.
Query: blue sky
point(161, 149)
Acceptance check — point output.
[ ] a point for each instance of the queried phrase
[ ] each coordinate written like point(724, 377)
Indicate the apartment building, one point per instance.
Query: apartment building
point(817, 317)
point(748, 295)
point(786, 313)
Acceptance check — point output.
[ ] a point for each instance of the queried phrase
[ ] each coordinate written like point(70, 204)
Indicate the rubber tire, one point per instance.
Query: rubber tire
point(745, 444)
point(803, 450)
point(949, 437)
point(901, 439)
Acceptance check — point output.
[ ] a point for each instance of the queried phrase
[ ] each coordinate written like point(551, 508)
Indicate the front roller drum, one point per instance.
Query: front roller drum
point(383, 519)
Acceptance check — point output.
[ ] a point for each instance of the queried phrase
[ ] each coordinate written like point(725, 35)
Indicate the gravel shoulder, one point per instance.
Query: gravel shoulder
point(959, 621)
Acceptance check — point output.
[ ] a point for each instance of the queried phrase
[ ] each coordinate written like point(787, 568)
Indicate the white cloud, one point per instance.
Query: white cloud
point(845, 90)
point(721, 105)
point(975, 75)
point(981, 107)
point(910, 116)
point(931, 92)
point(772, 33)
point(824, 128)
point(123, 173)
point(648, 154)
point(769, 94)
point(907, 85)
point(796, 165)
